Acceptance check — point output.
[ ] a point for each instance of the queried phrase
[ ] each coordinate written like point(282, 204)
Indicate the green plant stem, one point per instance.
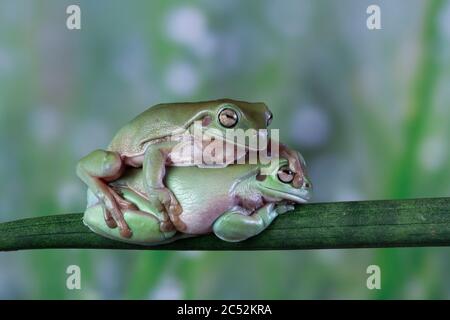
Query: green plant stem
point(421, 104)
point(387, 223)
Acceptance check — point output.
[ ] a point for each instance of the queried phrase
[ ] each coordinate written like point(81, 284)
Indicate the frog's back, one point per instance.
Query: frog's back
point(158, 123)
point(155, 123)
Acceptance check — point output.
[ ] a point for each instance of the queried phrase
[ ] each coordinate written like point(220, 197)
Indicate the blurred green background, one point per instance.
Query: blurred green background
point(368, 109)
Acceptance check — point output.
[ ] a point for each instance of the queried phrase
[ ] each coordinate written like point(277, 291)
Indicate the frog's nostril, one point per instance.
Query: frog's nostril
point(307, 184)
point(261, 177)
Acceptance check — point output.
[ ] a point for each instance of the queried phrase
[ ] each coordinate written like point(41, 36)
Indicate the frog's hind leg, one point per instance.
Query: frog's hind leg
point(146, 227)
point(95, 170)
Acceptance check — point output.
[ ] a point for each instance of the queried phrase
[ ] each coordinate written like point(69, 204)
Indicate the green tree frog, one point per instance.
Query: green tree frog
point(234, 202)
point(147, 142)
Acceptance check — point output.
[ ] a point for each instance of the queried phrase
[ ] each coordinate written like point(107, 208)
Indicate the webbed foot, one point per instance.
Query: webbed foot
point(165, 202)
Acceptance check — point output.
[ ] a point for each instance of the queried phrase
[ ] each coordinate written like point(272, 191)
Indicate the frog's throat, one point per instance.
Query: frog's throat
point(284, 195)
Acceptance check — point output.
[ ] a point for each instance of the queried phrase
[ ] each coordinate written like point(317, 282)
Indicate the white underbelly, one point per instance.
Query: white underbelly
point(199, 218)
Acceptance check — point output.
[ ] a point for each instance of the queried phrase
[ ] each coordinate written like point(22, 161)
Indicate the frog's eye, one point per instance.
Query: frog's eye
point(228, 118)
point(285, 175)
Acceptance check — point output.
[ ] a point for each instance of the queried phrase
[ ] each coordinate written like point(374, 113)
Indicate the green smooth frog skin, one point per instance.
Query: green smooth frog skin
point(235, 202)
point(147, 141)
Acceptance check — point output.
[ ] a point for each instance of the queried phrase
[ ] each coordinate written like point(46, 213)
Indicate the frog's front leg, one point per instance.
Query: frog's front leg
point(155, 160)
point(95, 170)
point(233, 226)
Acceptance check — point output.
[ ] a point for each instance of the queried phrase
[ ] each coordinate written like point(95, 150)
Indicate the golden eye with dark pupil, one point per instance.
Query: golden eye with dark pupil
point(285, 175)
point(228, 118)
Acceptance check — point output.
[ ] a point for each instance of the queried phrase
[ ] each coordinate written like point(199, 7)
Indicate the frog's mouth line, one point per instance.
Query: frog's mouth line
point(290, 196)
point(240, 145)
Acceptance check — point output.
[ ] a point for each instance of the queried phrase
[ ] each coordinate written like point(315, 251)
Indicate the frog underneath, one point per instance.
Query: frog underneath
point(234, 202)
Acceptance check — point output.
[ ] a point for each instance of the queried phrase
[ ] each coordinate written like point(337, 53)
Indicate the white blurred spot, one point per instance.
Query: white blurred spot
point(433, 152)
point(169, 288)
point(310, 126)
point(46, 124)
point(181, 78)
point(88, 136)
point(187, 26)
point(68, 195)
